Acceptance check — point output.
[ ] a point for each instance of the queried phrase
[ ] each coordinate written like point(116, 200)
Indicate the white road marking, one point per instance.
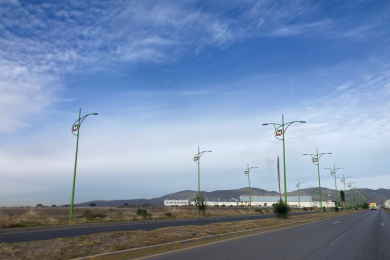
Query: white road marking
point(337, 222)
point(337, 239)
point(382, 224)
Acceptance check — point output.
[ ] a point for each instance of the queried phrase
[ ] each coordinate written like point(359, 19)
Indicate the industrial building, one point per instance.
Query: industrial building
point(175, 203)
point(212, 202)
point(292, 201)
point(219, 202)
point(257, 200)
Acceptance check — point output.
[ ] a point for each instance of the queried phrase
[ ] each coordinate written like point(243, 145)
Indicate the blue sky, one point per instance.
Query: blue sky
point(167, 76)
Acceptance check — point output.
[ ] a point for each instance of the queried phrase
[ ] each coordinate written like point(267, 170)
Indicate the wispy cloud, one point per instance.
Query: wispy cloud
point(42, 42)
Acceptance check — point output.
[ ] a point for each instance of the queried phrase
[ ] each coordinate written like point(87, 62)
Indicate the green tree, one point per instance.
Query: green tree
point(92, 205)
point(200, 204)
point(342, 195)
point(39, 205)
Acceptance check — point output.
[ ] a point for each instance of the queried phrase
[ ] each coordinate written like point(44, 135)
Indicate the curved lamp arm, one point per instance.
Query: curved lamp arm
point(198, 155)
point(76, 125)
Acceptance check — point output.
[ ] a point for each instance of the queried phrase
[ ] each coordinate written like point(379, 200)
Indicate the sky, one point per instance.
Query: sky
point(169, 76)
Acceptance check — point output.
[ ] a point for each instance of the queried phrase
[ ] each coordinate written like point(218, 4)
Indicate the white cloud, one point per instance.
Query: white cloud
point(345, 86)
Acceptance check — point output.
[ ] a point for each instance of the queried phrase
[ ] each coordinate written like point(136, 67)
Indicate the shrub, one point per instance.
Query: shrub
point(143, 213)
point(336, 209)
point(99, 215)
point(304, 209)
point(168, 214)
point(88, 214)
point(199, 203)
point(281, 210)
point(259, 210)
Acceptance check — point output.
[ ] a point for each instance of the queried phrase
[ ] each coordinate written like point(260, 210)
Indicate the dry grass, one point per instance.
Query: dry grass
point(32, 217)
point(67, 248)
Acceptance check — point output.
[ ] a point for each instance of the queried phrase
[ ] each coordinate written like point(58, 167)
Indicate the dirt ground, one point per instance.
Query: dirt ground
point(68, 248)
point(32, 217)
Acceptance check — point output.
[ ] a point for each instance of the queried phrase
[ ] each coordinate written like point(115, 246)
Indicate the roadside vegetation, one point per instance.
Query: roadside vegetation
point(281, 210)
point(47, 216)
point(68, 248)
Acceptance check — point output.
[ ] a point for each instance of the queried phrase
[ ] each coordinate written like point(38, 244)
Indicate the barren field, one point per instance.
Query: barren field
point(32, 217)
point(67, 248)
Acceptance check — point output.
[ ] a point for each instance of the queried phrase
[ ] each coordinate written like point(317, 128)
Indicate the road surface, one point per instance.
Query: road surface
point(360, 236)
point(35, 234)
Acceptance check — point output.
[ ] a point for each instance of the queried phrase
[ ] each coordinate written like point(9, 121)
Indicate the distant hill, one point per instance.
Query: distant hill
point(378, 196)
point(187, 194)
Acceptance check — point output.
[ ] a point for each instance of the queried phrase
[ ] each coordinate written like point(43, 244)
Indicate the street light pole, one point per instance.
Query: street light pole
point(279, 131)
point(248, 169)
point(345, 190)
point(350, 191)
point(197, 161)
point(299, 194)
point(357, 199)
point(310, 194)
point(333, 172)
point(316, 161)
point(76, 127)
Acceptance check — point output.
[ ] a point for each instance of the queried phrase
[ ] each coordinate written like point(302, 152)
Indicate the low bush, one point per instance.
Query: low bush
point(281, 210)
point(88, 214)
point(143, 213)
point(168, 214)
point(304, 209)
point(99, 215)
point(259, 210)
point(336, 209)
point(200, 204)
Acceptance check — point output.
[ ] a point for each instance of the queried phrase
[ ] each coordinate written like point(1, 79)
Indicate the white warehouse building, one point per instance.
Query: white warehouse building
point(171, 203)
point(212, 202)
point(219, 202)
point(292, 201)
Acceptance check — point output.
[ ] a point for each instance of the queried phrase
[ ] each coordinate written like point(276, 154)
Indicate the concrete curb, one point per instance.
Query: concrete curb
point(137, 252)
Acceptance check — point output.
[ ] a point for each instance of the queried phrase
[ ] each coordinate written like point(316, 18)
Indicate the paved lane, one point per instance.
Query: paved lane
point(68, 231)
point(359, 236)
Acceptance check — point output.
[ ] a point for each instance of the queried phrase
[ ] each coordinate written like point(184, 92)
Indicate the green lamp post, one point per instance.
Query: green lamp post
point(316, 161)
point(333, 172)
point(280, 129)
point(350, 191)
point(299, 194)
point(345, 189)
point(76, 132)
point(357, 199)
point(310, 193)
point(197, 161)
point(248, 169)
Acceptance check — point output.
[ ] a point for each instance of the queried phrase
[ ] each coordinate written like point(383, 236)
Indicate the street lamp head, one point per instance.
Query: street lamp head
point(265, 124)
point(303, 122)
point(95, 114)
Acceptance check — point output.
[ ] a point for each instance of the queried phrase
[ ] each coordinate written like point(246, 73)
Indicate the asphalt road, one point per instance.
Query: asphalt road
point(360, 236)
point(34, 234)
